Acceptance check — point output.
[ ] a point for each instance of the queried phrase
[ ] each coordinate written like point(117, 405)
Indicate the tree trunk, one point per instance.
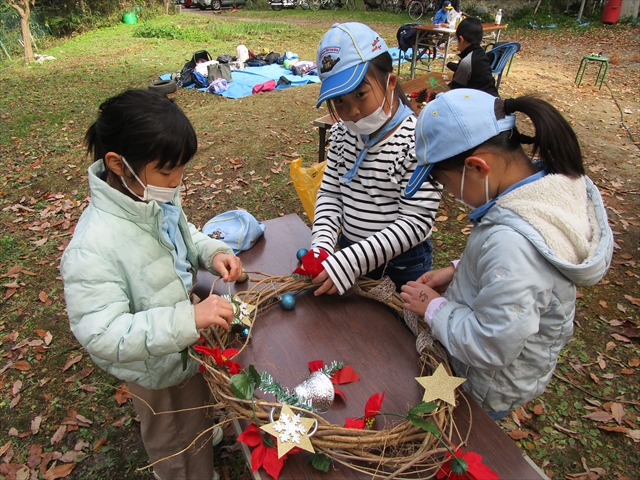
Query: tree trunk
point(535, 10)
point(24, 10)
point(166, 6)
point(581, 10)
point(82, 7)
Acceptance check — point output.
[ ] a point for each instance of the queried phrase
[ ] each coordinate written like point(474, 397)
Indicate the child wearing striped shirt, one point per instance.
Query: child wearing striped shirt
point(361, 208)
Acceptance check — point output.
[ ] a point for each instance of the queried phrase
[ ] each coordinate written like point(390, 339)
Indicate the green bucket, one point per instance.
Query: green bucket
point(129, 18)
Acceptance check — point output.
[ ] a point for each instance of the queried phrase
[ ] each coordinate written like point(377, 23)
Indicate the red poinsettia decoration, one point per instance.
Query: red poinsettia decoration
point(222, 358)
point(312, 263)
point(371, 409)
point(467, 466)
point(262, 455)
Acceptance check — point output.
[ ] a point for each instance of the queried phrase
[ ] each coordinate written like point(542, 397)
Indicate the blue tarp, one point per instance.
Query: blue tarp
point(244, 80)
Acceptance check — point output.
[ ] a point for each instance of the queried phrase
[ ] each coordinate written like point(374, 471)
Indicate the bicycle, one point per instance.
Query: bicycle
point(331, 4)
point(278, 5)
point(417, 8)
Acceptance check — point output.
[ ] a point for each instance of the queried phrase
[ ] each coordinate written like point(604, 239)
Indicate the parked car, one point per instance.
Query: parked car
point(187, 3)
point(217, 4)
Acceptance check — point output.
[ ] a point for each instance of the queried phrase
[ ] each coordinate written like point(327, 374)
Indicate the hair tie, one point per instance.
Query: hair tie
point(509, 108)
point(526, 139)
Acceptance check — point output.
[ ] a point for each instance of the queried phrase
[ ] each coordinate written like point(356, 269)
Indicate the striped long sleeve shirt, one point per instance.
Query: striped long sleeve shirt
point(371, 210)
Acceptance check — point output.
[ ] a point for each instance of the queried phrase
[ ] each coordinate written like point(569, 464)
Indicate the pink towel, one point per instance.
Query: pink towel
point(264, 87)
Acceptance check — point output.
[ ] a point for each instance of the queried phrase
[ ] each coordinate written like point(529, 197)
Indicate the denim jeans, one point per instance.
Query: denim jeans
point(497, 415)
point(405, 267)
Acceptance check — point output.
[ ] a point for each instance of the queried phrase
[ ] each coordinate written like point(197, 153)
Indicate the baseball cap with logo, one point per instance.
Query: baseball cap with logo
point(447, 5)
point(455, 122)
point(343, 58)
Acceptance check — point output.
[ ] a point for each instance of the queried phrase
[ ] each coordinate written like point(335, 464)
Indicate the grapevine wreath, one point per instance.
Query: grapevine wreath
point(418, 445)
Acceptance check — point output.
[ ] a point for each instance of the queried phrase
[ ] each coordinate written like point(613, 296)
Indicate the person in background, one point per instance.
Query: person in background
point(129, 270)
point(474, 68)
point(505, 310)
point(361, 207)
point(442, 14)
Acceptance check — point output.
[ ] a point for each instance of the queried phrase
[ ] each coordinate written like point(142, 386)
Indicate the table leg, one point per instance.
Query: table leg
point(322, 133)
point(446, 51)
point(414, 55)
point(497, 36)
point(581, 69)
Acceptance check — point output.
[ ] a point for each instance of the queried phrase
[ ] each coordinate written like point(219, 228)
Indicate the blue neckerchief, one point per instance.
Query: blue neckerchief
point(171, 233)
point(476, 215)
point(402, 113)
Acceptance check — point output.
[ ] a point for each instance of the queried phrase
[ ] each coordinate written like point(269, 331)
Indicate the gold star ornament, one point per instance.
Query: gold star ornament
point(440, 385)
point(291, 430)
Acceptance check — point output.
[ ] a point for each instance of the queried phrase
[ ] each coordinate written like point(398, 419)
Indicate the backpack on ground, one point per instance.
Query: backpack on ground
point(187, 74)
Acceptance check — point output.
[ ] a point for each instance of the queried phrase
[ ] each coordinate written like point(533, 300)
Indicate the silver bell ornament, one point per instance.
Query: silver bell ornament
point(316, 391)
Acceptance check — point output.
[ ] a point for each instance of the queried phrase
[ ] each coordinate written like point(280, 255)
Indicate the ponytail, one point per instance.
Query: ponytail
point(554, 140)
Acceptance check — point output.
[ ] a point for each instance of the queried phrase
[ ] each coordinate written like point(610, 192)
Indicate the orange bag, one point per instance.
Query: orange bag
point(306, 181)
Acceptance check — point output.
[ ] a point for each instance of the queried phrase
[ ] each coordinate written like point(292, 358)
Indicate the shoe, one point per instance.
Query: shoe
point(217, 435)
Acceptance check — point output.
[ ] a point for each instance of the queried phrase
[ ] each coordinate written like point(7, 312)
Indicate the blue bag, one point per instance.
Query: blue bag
point(237, 228)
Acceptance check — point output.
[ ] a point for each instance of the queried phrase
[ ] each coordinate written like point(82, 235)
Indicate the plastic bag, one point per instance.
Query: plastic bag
point(306, 181)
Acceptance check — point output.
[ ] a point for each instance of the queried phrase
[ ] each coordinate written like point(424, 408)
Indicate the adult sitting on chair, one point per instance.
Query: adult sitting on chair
point(474, 68)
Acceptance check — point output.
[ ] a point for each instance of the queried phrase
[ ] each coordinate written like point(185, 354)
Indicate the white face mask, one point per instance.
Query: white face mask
point(375, 121)
point(151, 192)
point(486, 189)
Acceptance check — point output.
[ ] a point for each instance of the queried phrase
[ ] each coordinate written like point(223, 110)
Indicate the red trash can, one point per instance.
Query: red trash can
point(611, 11)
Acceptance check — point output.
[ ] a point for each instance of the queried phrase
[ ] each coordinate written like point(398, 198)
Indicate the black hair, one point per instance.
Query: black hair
point(143, 126)
point(470, 29)
point(554, 140)
point(380, 67)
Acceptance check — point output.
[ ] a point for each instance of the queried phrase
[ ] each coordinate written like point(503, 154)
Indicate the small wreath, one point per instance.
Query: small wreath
point(420, 443)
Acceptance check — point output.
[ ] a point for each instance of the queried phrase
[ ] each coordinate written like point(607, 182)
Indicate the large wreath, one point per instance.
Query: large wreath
point(419, 444)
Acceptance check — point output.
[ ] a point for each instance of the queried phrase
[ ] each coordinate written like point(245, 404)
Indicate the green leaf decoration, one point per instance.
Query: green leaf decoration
point(420, 422)
point(458, 466)
point(183, 356)
point(242, 386)
point(320, 462)
point(423, 407)
point(255, 376)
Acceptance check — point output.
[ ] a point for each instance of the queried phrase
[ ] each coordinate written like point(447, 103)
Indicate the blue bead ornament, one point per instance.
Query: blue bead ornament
point(244, 333)
point(288, 301)
point(301, 253)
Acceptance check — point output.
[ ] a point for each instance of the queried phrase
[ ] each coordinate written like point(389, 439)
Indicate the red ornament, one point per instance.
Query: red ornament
point(470, 468)
point(371, 409)
point(262, 456)
point(312, 263)
point(221, 358)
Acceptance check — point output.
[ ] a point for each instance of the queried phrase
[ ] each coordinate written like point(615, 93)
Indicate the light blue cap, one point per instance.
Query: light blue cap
point(456, 121)
point(343, 58)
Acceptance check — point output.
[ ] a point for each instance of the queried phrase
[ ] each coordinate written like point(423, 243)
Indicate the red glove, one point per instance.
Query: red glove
point(312, 263)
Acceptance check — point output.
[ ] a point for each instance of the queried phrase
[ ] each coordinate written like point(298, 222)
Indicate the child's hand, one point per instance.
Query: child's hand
point(439, 280)
point(228, 266)
point(213, 310)
point(417, 297)
point(327, 284)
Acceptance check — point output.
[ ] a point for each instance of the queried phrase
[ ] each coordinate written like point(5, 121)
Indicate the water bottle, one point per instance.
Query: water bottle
point(499, 16)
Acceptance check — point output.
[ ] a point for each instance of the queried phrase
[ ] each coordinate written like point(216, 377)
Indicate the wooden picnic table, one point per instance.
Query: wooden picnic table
point(363, 334)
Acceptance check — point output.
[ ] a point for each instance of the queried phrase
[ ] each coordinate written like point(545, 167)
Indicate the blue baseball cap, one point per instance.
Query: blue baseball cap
point(343, 58)
point(456, 121)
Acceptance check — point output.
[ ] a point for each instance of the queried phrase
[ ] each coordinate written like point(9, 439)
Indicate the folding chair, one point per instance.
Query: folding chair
point(500, 55)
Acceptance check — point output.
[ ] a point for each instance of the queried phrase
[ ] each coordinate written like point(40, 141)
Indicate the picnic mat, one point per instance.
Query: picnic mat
point(244, 80)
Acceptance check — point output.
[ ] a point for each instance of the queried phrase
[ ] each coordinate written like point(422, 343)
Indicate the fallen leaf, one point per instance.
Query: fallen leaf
point(634, 362)
point(603, 304)
point(35, 456)
point(85, 372)
point(35, 424)
point(17, 386)
point(610, 346)
point(627, 371)
point(599, 416)
point(635, 434)
point(122, 394)
point(15, 401)
point(635, 301)
point(59, 471)
point(595, 378)
point(442, 219)
point(119, 423)
point(44, 298)
point(564, 430)
point(83, 419)
point(72, 456)
point(71, 362)
point(22, 365)
point(88, 388)
point(620, 338)
point(99, 444)
point(62, 429)
point(5, 447)
point(631, 332)
point(518, 434)
point(538, 409)
point(13, 432)
point(621, 308)
point(617, 428)
point(617, 410)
